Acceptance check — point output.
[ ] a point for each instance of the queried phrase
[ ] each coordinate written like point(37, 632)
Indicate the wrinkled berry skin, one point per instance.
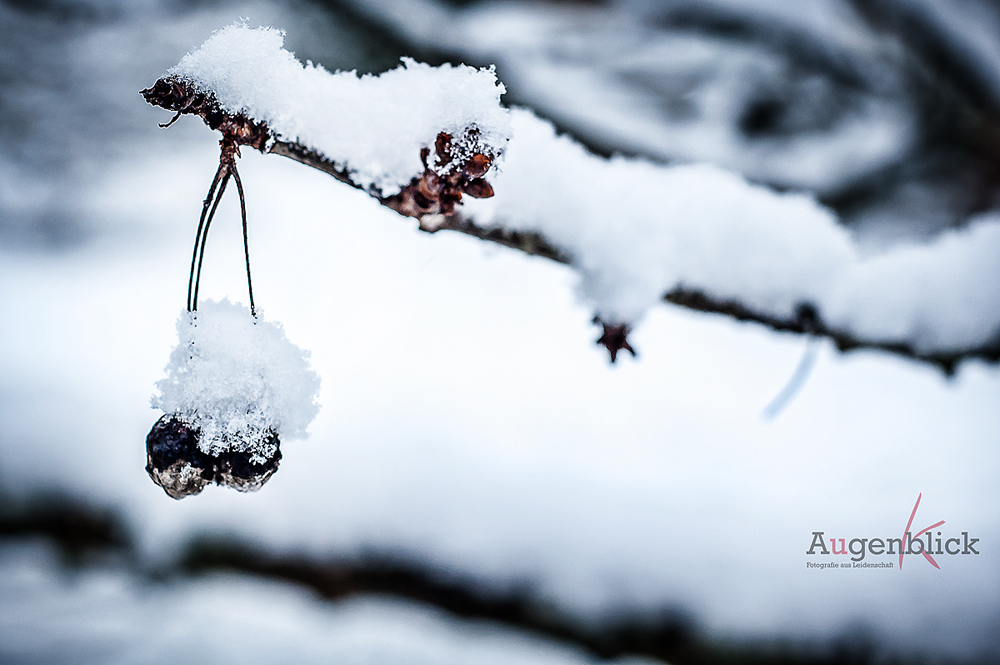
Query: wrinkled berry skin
point(175, 463)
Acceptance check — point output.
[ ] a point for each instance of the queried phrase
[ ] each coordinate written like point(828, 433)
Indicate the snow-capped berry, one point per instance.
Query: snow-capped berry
point(234, 384)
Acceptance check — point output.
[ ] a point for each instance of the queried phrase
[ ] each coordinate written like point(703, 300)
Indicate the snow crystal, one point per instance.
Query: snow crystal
point(373, 126)
point(237, 380)
point(637, 230)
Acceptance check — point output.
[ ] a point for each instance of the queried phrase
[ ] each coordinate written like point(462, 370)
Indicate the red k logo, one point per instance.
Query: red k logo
point(910, 540)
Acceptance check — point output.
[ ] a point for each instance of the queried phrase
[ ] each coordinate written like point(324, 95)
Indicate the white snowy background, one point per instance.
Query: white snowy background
point(467, 418)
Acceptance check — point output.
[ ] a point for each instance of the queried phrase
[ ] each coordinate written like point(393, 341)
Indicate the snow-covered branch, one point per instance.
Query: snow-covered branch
point(419, 137)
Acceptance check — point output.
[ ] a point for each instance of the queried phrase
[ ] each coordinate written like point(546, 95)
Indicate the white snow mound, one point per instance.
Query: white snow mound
point(372, 126)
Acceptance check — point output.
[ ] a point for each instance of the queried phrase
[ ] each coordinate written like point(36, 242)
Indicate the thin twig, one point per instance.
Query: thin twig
point(246, 242)
point(164, 125)
point(795, 383)
point(192, 305)
point(204, 237)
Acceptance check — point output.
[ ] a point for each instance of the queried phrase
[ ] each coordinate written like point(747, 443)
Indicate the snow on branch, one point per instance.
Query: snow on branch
point(416, 137)
point(711, 241)
point(419, 137)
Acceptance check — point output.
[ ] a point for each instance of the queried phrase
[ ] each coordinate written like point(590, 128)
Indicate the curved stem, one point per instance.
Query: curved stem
point(191, 306)
point(246, 242)
point(204, 237)
point(795, 383)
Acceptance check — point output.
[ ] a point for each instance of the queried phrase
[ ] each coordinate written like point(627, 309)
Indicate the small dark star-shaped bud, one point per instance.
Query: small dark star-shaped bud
point(614, 338)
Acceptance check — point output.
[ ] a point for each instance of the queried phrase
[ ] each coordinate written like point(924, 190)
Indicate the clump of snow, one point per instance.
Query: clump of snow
point(237, 379)
point(637, 230)
point(372, 126)
point(941, 296)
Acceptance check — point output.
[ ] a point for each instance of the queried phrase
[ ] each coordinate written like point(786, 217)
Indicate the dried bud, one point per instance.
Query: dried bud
point(459, 169)
point(615, 338)
point(478, 165)
point(479, 189)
